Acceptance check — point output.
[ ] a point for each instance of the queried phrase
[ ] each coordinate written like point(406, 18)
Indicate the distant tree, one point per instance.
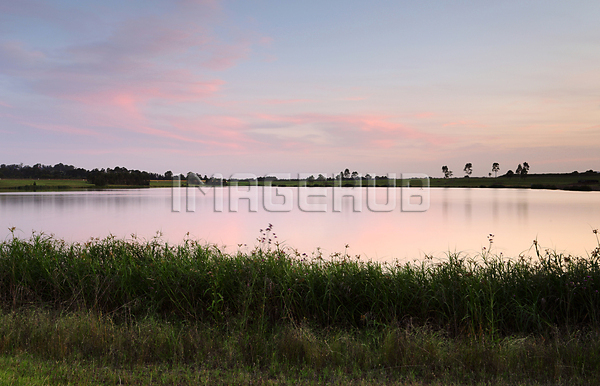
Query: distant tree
point(347, 173)
point(468, 169)
point(510, 173)
point(168, 175)
point(354, 174)
point(321, 178)
point(311, 178)
point(495, 168)
point(524, 169)
point(519, 169)
point(446, 171)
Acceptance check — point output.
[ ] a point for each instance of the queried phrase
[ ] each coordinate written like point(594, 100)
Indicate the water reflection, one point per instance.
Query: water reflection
point(458, 220)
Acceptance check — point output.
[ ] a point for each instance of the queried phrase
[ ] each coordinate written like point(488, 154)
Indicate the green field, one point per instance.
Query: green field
point(49, 185)
point(126, 311)
point(43, 185)
point(581, 182)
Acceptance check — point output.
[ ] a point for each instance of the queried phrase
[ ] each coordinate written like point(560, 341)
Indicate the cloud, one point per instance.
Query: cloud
point(286, 101)
point(142, 59)
point(465, 123)
point(63, 129)
point(351, 130)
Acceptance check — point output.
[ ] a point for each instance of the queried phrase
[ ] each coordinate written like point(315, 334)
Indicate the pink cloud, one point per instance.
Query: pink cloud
point(350, 130)
point(465, 123)
point(217, 131)
point(63, 129)
point(286, 101)
point(5, 104)
point(143, 60)
point(424, 115)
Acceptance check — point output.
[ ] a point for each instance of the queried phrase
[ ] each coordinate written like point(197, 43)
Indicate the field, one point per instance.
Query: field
point(43, 185)
point(51, 185)
point(109, 311)
point(581, 181)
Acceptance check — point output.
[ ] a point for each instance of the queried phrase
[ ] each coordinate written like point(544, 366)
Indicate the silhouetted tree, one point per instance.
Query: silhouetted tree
point(446, 171)
point(519, 169)
point(468, 169)
point(524, 169)
point(495, 168)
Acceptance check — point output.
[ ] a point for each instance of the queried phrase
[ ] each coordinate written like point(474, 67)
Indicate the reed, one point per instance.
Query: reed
point(484, 295)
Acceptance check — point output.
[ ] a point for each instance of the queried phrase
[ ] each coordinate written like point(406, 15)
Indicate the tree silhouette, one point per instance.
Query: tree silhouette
point(519, 169)
point(524, 169)
point(468, 169)
point(495, 168)
point(446, 171)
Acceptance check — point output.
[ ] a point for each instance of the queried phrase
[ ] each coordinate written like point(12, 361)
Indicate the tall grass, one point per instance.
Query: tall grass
point(75, 347)
point(132, 279)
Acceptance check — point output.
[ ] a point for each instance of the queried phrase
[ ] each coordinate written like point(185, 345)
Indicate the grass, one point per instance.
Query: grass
point(111, 310)
point(43, 347)
point(462, 295)
point(52, 185)
point(43, 185)
point(581, 182)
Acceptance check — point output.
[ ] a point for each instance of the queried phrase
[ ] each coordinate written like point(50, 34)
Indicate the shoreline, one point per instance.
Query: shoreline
point(569, 182)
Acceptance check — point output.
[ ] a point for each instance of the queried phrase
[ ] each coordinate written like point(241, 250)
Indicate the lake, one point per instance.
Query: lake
point(456, 220)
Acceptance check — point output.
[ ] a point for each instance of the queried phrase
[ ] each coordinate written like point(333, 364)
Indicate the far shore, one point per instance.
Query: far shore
point(588, 181)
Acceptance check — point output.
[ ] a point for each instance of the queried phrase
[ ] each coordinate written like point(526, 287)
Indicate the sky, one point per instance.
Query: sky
point(271, 86)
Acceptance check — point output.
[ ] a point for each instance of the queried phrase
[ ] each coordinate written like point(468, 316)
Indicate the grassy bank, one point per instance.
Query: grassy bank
point(128, 309)
point(88, 348)
point(589, 181)
point(461, 295)
point(579, 182)
point(30, 185)
point(54, 185)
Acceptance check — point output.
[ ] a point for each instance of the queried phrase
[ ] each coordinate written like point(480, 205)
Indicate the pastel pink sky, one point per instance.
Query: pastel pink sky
point(270, 87)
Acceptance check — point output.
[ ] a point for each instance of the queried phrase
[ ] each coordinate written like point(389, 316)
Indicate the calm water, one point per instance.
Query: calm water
point(457, 220)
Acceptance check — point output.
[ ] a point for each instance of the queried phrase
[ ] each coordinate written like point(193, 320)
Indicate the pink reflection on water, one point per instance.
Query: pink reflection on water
point(457, 220)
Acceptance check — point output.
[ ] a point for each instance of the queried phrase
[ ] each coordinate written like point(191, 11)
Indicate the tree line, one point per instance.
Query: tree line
point(98, 177)
point(521, 170)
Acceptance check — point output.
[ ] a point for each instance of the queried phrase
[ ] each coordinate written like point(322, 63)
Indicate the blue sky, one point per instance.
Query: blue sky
point(270, 86)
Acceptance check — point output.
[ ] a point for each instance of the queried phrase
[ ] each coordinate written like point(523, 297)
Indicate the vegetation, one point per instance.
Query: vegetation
point(495, 169)
point(447, 172)
point(43, 185)
point(587, 181)
point(98, 177)
point(125, 309)
point(48, 178)
point(468, 169)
